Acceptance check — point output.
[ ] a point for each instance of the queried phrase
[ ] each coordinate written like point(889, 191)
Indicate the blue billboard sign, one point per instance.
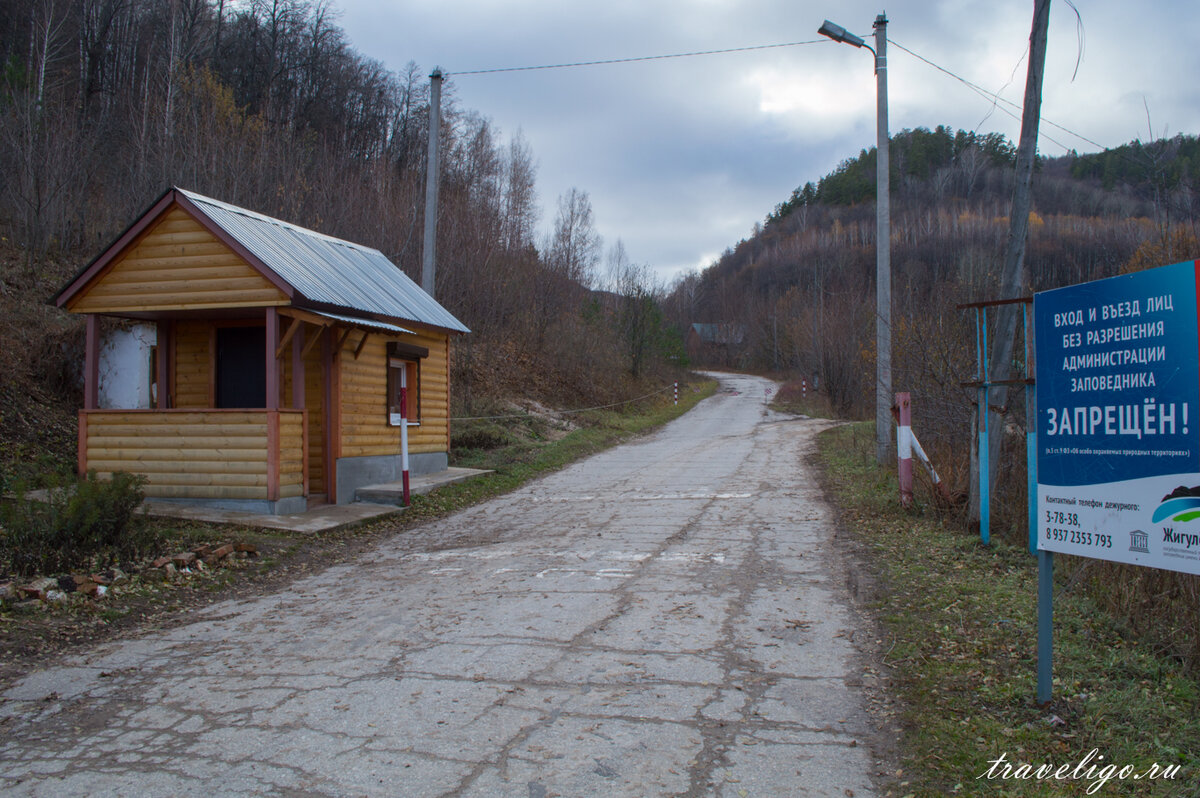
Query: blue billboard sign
point(1118, 392)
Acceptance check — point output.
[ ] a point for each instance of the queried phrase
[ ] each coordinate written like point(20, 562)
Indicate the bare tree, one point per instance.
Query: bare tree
point(639, 316)
point(574, 247)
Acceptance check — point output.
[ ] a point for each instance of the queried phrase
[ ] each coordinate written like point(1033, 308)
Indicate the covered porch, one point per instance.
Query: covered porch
point(242, 458)
point(238, 416)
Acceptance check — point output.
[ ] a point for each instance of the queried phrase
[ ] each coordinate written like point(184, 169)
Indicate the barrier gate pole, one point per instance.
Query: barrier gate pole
point(404, 431)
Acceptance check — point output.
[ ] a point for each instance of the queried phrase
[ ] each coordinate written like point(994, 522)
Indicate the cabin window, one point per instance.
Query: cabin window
point(412, 371)
point(404, 359)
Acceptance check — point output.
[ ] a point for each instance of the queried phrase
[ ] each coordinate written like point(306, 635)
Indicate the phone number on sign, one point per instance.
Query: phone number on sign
point(1079, 536)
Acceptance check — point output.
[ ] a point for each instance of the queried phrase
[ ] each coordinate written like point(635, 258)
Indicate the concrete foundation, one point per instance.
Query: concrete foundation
point(357, 472)
point(290, 506)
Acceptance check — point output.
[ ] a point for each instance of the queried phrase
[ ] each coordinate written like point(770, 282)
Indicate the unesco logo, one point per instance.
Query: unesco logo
point(1139, 541)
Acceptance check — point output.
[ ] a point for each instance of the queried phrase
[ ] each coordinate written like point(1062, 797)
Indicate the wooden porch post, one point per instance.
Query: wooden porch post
point(298, 397)
point(163, 371)
point(91, 368)
point(332, 416)
point(298, 368)
point(272, 402)
point(272, 376)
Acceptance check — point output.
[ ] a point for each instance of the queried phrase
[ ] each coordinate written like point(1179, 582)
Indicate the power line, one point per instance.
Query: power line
point(639, 58)
point(997, 98)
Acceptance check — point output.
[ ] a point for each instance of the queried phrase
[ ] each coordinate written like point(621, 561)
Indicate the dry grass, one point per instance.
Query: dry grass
point(962, 624)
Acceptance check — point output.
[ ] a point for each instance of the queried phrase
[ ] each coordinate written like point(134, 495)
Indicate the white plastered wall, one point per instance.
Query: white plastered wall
point(125, 368)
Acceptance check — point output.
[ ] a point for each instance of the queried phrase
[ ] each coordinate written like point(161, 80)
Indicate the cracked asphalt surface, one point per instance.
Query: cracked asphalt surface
point(664, 618)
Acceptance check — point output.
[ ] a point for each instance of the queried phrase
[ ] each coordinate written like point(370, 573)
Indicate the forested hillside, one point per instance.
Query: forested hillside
point(106, 103)
point(802, 288)
point(803, 285)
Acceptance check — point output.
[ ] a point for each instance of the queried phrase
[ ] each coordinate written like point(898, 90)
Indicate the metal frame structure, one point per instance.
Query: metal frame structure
point(983, 384)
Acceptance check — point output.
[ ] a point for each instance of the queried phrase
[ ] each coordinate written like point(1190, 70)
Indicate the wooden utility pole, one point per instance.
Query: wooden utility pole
point(432, 176)
point(1015, 280)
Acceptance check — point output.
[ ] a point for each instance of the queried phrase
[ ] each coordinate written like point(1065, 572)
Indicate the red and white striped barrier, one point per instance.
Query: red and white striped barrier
point(906, 446)
point(404, 431)
point(904, 439)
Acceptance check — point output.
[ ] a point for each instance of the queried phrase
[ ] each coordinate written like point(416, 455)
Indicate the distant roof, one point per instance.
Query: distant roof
point(324, 273)
point(723, 333)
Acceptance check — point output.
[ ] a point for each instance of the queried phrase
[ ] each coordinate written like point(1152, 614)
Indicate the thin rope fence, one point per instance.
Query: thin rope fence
point(566, 412)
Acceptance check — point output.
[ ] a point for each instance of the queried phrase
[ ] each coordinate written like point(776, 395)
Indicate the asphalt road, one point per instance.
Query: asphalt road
point(664, 618)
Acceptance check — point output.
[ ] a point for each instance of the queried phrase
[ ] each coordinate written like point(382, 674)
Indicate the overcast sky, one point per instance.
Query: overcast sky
point(682, 156)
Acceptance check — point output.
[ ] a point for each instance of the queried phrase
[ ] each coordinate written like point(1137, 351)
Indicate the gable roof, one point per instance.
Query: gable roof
point(316, 271)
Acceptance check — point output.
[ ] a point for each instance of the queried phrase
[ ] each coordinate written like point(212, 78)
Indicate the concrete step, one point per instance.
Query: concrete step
point(393, 492)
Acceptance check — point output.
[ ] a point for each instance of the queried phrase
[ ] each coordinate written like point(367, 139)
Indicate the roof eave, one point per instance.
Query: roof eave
point(329, 307)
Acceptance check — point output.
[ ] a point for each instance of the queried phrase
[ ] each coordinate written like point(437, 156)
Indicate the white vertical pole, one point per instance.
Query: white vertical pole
point(883, 254)
point(404, 430)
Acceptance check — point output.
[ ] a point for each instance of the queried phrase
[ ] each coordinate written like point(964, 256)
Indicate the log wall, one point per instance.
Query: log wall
point(192, 358)
point(364, 421)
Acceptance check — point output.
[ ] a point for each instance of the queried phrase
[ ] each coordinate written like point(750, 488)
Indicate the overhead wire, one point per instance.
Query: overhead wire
point(998, 98)
point(637, 58)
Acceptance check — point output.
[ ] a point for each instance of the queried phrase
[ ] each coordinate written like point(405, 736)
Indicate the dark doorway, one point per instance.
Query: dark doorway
point(241, 367)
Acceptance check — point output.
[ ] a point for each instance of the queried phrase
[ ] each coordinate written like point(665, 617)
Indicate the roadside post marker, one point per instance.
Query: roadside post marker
point(404, 431)
point(904, 447)
point(677, 393)
point(907, 447)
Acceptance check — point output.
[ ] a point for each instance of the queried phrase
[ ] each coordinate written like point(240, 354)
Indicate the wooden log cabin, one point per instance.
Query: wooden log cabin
point(276, 363)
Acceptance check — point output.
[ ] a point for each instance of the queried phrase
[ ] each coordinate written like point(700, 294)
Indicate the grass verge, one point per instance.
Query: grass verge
point(798, 398)
point(960, 626)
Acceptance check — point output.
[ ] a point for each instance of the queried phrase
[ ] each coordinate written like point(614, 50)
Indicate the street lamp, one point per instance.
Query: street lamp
point(883, 236)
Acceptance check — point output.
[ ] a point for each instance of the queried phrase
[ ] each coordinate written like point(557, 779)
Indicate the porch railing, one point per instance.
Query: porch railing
point(201, 454)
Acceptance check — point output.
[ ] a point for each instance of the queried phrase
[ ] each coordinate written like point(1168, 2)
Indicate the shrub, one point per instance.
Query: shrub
point(82, 523)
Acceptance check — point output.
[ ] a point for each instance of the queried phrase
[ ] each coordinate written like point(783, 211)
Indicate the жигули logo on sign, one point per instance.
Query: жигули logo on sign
point(1139, 541)
point(1180, 505)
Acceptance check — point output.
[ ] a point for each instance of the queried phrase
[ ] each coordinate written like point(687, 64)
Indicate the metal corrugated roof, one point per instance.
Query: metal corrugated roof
point(366, 324)
point(328, 270)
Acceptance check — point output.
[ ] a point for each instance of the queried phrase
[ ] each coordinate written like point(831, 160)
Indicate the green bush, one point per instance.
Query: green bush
point(83, 523)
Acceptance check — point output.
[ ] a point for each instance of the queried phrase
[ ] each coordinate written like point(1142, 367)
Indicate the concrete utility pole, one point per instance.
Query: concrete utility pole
point(883, 235)
point(883, 255)
point(432, 176)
